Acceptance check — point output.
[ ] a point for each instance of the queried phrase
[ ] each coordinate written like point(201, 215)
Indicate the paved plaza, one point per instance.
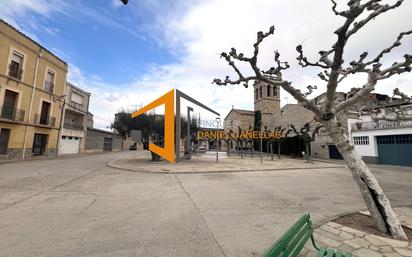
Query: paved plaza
point(81, 207)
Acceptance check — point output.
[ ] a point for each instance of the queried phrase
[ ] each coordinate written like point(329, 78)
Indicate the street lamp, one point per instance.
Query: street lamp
point(217, 140)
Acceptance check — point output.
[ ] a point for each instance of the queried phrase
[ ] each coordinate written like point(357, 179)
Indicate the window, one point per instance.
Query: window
point(16, 64)
point(363, 140)
point(77, 98)
point(8, 110)
point(256, 94)
point(49, 82)
point(275, 92)
point(4, 140)
point(395, 139)
point(39, 144)
point(268, 90)
point(260, 92)
point(44, 115)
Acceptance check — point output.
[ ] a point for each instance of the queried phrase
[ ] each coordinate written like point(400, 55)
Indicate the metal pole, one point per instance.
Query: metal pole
point(217, 141)
point(188, 150)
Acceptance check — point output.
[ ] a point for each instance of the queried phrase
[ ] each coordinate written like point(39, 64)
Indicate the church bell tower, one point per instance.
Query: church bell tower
point(266, 100)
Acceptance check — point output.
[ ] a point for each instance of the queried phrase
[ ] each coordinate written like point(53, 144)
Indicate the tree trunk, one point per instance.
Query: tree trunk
point(271, 150)
point(307, 151)
point(376, 201)
point(279, 149)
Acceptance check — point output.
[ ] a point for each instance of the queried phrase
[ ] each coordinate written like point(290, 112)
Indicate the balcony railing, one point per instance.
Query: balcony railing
point(74, 126)
point(9, 113)
point(49, 121)
point(77, 106)
point(49, 86)
point(381, 124)
point(15, 73)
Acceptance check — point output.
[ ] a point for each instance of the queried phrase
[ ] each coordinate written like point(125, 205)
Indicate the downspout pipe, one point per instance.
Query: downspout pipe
point(39, 55)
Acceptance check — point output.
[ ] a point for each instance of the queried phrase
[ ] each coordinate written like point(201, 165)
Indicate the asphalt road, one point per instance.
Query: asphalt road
point(80, 207)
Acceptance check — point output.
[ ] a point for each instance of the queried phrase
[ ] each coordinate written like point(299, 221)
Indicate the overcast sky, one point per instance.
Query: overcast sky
point(129, 55)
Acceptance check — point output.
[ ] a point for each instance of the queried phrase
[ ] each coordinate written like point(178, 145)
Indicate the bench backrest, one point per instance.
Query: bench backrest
point(292, 242)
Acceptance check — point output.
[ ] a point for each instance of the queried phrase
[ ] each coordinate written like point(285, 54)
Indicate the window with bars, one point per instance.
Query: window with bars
point(363, 140)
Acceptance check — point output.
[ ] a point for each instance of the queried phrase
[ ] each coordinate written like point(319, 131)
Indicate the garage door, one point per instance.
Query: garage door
point(69, 145)
point(395, 150)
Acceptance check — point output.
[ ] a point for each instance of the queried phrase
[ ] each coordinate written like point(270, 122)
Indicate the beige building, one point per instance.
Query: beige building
point(75, 120)
point(32, 88)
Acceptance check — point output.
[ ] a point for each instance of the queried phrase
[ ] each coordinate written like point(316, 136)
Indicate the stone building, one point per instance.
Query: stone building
point(32, 88)
point(267, 115)
point(266, 102)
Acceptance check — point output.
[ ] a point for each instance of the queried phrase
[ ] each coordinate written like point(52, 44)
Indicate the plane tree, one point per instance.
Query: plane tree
point(334, 70)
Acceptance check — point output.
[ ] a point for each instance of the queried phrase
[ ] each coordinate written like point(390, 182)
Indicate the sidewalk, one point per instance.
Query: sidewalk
point(141, 162)
point(359, 243)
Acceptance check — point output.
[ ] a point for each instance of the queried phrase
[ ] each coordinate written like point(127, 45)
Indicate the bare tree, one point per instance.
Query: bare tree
point(396, 109)
point(329, 113)
point(304, 134)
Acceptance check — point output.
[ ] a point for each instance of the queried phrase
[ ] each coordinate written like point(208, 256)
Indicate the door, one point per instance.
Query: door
point(39, 144)
point(4, 140)
point(69, 145)
point(9, 105)
point(334, 153)
point(107, 145)
point(395, 149)
point(44, 115)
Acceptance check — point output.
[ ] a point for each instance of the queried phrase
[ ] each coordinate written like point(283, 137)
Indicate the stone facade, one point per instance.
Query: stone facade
point(239, 118)
point(266, 100)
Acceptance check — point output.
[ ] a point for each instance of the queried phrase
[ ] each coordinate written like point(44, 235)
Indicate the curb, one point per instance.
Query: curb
point(112, 165)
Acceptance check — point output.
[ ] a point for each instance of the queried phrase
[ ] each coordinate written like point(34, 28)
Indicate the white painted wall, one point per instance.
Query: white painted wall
point(372, 148)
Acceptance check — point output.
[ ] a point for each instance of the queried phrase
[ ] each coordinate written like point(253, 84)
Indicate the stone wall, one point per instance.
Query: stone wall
point(95, 140)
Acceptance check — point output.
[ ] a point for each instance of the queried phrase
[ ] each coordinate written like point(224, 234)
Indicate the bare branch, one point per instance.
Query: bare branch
point(358, 94)
point(277, 71)
point(397, 68)
point(334, 5)
point(404, 97)
point(310, 90)
point(390, 48)
point(227, 80)
point(316, 132)
point(287, 86)
point(303, 61)
point(377, 10)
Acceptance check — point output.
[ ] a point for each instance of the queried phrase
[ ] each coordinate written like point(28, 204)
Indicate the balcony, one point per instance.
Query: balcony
point(49, 86)
point(74, 126)
point(48, 121)
point(12, 114)
point(381, 124)
point(15, 72)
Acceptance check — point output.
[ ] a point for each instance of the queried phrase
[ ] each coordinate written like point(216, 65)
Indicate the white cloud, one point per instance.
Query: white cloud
point(200, 32)
point(197, 31)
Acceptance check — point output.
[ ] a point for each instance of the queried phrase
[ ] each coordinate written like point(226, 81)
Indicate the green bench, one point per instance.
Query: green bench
point(292, 242)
